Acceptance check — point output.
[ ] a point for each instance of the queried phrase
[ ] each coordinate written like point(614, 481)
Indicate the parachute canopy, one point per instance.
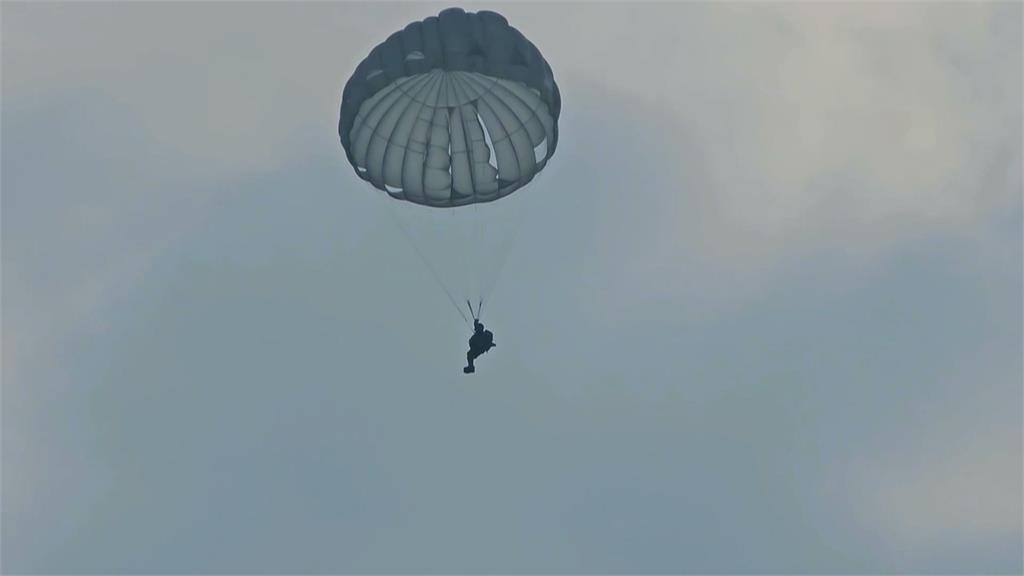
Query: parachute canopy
point(457, 109)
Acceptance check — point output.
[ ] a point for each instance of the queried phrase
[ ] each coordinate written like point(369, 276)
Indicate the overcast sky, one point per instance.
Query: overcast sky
point(762, 311)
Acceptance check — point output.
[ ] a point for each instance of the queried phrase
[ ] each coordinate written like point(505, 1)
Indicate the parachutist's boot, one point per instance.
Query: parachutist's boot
point(469, 370)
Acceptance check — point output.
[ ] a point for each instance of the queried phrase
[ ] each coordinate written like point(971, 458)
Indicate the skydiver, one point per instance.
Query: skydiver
point(481, 341)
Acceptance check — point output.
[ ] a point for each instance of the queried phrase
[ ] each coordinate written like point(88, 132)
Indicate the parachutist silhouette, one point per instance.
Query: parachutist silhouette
point(481, 341)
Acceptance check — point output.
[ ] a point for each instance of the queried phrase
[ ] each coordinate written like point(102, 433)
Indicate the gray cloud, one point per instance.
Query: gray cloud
point(763, 313)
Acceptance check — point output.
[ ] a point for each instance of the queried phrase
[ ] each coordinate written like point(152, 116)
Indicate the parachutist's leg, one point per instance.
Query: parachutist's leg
point(469, 369)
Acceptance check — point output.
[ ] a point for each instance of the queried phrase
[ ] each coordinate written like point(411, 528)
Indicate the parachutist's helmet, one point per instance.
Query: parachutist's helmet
point(457, 109)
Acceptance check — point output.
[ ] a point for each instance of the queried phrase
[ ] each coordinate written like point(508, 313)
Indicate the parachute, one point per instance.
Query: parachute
point(457, 109)
point(452, 112)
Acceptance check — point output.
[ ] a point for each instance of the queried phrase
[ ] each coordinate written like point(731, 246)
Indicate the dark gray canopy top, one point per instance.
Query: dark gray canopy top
point(456, 109)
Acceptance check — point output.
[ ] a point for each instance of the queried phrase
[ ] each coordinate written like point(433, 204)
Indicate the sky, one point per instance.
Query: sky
point(761, 312)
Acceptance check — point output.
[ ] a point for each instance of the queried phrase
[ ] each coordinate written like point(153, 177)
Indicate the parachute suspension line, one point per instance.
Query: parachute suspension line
point(478, 257)
point(464, 252)
point(423, 258)
point(506, 248)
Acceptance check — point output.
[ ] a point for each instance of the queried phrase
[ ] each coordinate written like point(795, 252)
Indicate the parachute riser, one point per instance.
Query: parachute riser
point(479, 306)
